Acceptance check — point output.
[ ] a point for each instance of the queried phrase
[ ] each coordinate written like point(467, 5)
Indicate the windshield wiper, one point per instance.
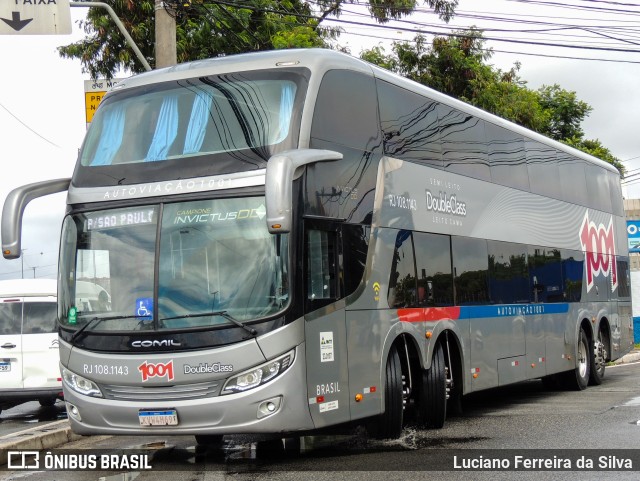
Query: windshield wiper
point(224, 314)
point(95, 321)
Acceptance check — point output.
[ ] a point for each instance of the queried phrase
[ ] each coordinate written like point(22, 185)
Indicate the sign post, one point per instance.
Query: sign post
point(35, 17)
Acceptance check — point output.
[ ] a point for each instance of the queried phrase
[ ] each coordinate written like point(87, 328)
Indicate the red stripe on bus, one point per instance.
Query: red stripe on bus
point(428, 314)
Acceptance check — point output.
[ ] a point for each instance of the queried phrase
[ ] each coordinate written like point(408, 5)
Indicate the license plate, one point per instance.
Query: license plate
point(5, 366)
point(160, 417)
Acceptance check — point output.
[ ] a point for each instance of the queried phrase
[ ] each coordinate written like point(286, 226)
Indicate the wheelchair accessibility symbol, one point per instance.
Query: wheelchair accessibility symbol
point(144, 307)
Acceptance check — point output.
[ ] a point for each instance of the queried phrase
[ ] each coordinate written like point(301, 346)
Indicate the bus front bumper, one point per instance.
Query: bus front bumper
point(276, 407)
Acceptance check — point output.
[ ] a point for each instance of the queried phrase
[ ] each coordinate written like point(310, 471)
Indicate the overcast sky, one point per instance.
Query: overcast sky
point(42, 117)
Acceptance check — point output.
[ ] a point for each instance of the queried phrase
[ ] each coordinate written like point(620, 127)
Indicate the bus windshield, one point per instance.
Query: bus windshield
point(214, 260)
point(194, 126)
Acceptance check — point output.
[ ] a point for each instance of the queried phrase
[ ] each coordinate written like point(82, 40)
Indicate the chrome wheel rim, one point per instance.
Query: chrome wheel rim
point(582, 359)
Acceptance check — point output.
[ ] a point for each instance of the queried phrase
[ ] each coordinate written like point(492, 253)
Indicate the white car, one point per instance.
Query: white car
point(29, 358)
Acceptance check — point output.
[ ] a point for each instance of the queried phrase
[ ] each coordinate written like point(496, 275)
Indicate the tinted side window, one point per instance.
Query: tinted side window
point(433, 263)
point(39, 317)
point(402, 283)
point(508, 277)
point(11, 317)
point(507, 157)
point(409, 125)
point(599, 196)
point(346, 110)
point(323, 281)
point(464, 147)
point(470, 270)
point(545, 274)
point(355, 241)
point(572, 272)
point(572, 179)
point(624, 282)
point(544, 177)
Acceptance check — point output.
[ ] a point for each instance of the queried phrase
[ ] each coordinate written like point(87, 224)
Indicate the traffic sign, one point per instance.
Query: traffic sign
point(94, 90)
point(35, 17)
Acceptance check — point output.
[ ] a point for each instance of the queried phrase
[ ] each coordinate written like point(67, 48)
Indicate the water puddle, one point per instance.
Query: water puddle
point(633, 402)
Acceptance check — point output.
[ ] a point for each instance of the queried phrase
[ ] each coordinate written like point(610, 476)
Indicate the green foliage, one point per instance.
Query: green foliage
point(206, 29)
point(203, 30)
point(595, 148)
point(457, 66)
point(567, 112)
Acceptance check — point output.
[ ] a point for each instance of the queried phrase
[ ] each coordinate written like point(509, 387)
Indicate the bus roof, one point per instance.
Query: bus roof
point(28, 287)
point(315, 59)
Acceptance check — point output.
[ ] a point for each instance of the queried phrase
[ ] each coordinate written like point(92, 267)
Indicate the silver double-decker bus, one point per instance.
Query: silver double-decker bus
point(289, 241)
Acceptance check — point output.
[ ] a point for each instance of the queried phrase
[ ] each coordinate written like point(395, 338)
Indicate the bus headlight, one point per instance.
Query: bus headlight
point(80, 384)
point(259, 375)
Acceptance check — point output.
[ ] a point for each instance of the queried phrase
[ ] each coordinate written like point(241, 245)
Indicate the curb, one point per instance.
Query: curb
point(44, 437)
point(633, 356)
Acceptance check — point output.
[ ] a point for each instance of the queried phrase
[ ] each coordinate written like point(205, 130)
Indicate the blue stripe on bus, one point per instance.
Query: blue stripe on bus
point(510, 310)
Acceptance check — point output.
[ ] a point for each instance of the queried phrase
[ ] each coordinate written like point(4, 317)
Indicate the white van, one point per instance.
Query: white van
point(29, 358)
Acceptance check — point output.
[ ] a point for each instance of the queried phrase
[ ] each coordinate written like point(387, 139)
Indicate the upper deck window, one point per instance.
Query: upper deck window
point(192, 127)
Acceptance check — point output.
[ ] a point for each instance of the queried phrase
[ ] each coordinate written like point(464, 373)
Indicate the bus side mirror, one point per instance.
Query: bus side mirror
point(13, 209)
point(282, 169)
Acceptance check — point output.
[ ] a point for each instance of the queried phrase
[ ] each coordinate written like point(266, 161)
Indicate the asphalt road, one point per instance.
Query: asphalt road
point(29, 415)
point(601, 421)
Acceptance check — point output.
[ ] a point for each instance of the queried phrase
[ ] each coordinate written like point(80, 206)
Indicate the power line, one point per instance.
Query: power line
point(431, 32)
point(511, 52)
point(26, 126)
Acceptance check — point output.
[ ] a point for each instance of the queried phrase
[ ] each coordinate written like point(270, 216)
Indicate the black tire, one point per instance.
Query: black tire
point(578, 379)
point(390, 422)
point(433, 398)
point(47, 401)
point(598, 359)
point(210, 440)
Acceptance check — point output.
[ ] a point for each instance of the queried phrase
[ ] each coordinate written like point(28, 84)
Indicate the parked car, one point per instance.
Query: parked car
point(29, 358)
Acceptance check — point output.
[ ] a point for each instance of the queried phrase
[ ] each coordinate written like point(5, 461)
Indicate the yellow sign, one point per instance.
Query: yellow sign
point(94, 92)
point(91, 102)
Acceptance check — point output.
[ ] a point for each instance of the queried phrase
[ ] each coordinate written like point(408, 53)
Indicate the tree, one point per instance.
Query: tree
point(567, 112)
point(206, 29)
point(595, 148)
point(457, 66)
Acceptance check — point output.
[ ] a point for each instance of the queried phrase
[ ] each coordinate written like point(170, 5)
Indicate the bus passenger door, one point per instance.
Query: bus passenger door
point(325, 330)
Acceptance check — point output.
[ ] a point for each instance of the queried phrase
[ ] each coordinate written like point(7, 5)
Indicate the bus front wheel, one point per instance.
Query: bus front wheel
point(390, 422)
point(209, 440)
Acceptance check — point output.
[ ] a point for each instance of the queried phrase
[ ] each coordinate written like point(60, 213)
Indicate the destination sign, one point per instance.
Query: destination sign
point(113, 219)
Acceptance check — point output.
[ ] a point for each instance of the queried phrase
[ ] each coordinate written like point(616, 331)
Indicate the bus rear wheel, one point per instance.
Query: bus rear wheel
point(390, 422)
point(433, 395)
point(578, 379)
point(598, 359)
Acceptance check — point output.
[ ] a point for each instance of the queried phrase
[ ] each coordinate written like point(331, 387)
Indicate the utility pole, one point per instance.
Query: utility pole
point(165, 37)
point(22, 261)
